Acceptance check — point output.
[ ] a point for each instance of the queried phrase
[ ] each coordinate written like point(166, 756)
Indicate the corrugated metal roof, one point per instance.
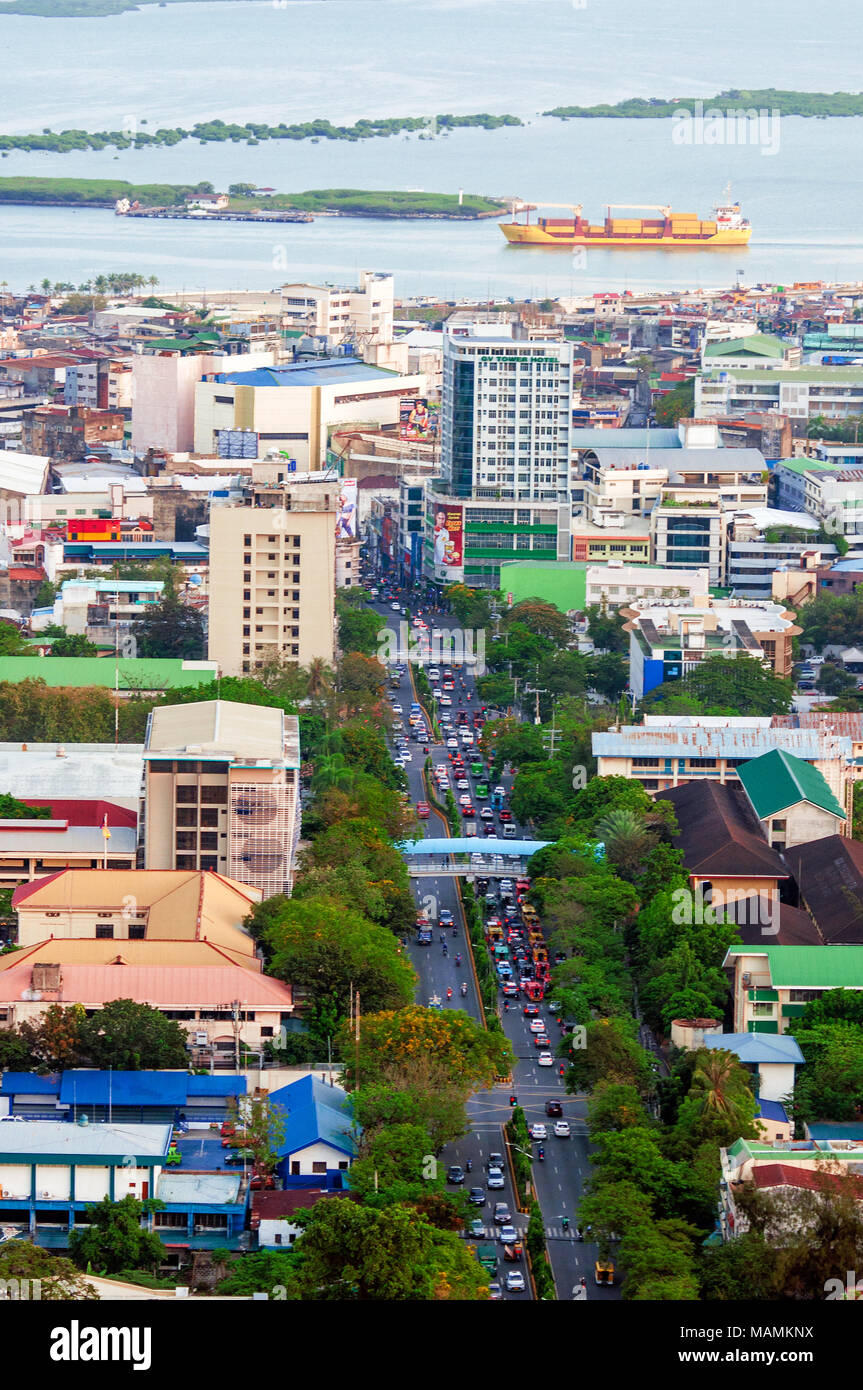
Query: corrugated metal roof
point(808, 967)
point(66, 1140)
point(634, 740)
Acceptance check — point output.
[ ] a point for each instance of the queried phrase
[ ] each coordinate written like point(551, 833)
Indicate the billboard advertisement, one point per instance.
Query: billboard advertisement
point(388, 535)
point(346, 521)
point(417, 420)
point(448, 536)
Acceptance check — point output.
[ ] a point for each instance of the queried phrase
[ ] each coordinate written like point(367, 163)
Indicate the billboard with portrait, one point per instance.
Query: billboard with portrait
point(346, 521)
point(448, 539)
point(416, 419)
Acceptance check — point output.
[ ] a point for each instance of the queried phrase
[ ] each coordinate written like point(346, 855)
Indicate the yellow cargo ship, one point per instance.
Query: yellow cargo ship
point(670, 229)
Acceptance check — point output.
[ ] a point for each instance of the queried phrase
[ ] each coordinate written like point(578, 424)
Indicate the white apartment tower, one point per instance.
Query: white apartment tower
point(506, 415)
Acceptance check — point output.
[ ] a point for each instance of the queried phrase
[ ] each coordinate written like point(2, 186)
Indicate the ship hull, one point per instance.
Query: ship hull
point(518, 234)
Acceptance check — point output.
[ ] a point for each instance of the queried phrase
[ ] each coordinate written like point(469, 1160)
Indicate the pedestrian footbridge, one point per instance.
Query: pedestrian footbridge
point(468, 856)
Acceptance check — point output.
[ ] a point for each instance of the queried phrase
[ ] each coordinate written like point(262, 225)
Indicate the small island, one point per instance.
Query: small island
point(251, 133)
point(242, 201)
point(86, 9)
point(770, 98)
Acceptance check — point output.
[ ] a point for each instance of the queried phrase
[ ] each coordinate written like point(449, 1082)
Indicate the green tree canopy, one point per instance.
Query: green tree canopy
point(115, 1238)
point(129, 1036)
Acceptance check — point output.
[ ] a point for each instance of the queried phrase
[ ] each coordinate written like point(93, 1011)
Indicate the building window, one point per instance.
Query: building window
point(104, 932)
point(137, 932)
point(318, 1166)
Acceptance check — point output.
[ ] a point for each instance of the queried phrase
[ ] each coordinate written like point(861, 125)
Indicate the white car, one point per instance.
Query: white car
point(464, 800)
point(536, 1025)
point(396, 607)
point(445, 700)
point(436, 691)
point(495, 1178)
point(538, 1131)
point(561, 1129)
point(433, 673)
point(515, 1281)
point(452, 742)
point(463, 784)
point(545, 1059)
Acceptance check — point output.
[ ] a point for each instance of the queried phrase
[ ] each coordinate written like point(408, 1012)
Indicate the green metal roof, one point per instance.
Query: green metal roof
point(778, 780)
point(808, 967)
point(136, 673)
point(825, 376)
point(757, 345)
point(803, 465)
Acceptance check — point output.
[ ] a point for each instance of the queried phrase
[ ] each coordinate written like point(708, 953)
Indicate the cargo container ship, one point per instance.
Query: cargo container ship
point(670, 229)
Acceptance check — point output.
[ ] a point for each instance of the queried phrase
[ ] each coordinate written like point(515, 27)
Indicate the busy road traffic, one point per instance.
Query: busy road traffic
point(447, 980)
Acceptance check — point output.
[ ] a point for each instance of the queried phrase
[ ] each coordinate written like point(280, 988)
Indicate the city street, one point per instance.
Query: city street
point(559, 1179)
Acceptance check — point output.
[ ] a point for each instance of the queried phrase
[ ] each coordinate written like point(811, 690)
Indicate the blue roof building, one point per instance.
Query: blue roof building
point(141, 1097)
point(319, 1144)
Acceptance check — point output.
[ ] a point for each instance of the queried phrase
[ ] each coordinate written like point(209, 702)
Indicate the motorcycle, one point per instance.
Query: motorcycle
point(463, 989)
point(541, 1155)
point(449, 993)
point(455, 931)
point(458, 959)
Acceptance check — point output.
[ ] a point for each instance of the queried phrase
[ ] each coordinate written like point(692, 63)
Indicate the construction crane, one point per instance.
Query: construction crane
point(645, 207)
point(517, 205)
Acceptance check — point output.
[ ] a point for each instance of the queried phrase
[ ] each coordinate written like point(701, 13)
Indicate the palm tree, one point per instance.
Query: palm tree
point(333, 771)
point(627, 839)
point(717, 1078)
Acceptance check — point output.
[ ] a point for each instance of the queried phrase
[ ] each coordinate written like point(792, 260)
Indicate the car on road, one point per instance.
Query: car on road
point(434, 673)
point(530, 1010)
point(505, 815)
point(506, 885)
point(514, 1281)
point(464, 799)
point(455, 1173)
point(562, 1130)
point(486, 813)
point(502, 1214)
point(538, 1131)
point(452, 742)
point(510, 990)
point(423, 810)
point(445, 699)
point(463, 785)
point(396, 607)
point(536, 1025)
point(553, 1107)
point(495, 1292)
point(541, 1040)
point(495, 1178)
point(507, 1234)
point(468, 810)
point(476, 1228)
point(545, 1059)
point(500, 791)
point(445, 917)
point(476, 1197)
